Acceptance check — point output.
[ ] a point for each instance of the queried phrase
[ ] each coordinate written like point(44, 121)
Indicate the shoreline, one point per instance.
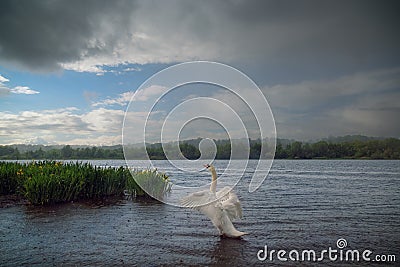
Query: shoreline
point(13, 200)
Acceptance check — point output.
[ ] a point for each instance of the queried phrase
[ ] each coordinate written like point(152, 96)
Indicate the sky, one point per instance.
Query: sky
point(68, 69)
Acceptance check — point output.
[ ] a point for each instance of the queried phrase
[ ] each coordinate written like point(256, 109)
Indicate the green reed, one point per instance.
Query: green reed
point(11, 177)
point(47, 182)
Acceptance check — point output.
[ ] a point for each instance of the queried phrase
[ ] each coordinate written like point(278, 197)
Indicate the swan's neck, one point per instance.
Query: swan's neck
point(213, 187)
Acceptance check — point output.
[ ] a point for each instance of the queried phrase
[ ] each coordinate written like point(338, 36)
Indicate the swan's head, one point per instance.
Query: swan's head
point(209, 167)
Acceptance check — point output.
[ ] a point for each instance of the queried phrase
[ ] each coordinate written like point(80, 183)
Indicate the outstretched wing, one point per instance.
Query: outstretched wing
point(198, 199)
point(230, 203)
point(205, 202)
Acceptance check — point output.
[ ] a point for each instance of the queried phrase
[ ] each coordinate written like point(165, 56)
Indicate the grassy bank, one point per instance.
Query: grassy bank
point(48, 182)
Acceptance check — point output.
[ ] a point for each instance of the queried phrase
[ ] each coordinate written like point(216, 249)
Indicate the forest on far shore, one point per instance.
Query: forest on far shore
point(366, 148)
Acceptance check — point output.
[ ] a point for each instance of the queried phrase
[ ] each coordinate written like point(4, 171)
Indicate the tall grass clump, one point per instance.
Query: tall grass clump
point(52, 182)
point(11, 177)
point(48, 182)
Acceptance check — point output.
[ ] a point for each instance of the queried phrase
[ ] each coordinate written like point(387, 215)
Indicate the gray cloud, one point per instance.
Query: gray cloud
point(286, 35)
point(362, 103)
point(40, 35)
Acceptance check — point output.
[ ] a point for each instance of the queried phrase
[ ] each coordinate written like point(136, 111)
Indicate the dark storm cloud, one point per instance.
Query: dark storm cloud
point(39, 35)
point(311, 37)
point(285, 34)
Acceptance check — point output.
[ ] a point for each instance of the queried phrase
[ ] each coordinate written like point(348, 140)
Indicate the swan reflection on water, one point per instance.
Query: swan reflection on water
point(228, 252)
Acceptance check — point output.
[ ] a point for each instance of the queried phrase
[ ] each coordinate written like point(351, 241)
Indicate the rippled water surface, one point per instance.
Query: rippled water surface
point(301, 205)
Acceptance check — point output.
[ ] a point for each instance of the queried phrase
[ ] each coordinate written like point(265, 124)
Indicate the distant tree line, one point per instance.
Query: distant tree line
point(372, 149)
point(357, 149)
point(66, 152)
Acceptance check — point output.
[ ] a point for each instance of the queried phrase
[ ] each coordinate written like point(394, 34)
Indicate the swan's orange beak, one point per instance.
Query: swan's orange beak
point(207, 166)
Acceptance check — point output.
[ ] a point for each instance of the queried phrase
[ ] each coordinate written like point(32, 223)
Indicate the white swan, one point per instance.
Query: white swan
point(221, 207)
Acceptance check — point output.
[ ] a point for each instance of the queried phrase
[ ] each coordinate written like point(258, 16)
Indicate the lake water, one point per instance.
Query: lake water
point(302, 205)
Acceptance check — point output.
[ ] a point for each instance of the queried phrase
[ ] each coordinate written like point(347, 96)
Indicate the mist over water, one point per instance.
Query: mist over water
point(301, 205)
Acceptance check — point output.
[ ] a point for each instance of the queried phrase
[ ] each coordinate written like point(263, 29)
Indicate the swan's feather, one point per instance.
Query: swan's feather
point(224, 199)
point(230, 203)
point(205, 202)
point(198, 199)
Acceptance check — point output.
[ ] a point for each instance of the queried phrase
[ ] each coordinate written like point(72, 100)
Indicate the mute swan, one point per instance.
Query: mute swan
point(221, 207)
